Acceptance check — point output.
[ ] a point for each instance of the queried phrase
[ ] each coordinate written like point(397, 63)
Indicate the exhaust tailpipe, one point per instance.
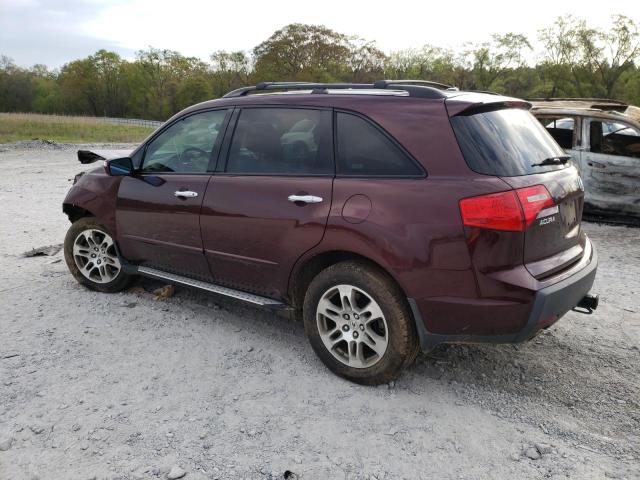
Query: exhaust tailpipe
point(587, 304)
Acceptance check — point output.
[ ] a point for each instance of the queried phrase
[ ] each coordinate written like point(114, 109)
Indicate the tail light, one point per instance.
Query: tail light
point(512, 211)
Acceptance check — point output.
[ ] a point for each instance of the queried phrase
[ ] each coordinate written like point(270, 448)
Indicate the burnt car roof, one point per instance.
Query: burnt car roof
point(603, 104)
point(630, 114)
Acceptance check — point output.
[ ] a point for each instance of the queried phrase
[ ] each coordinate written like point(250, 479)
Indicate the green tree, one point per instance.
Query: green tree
point(490, 60)
point(304, 53)
point(16, 88)
point(230, 70)
point(610, 54)
point(366, 62)
point(559, 56)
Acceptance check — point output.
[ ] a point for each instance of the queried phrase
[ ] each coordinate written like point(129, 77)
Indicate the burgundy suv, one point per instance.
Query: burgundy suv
point(392, 216)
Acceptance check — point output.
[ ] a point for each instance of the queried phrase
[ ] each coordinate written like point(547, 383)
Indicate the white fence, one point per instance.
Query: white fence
point(72, 118)
point(131, 121)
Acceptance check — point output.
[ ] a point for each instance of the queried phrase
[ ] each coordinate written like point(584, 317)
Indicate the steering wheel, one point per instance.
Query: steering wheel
point(195, 157)
point(191, 150)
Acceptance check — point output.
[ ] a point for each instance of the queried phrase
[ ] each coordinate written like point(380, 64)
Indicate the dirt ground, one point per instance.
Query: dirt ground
point(123, 386)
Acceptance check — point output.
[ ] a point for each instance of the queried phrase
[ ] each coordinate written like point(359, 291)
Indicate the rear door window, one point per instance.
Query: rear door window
point(505, 142)
point(364, 150)
point(281, 141)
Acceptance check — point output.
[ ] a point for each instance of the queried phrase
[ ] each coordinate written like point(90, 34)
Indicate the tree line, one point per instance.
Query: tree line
point(575, 60)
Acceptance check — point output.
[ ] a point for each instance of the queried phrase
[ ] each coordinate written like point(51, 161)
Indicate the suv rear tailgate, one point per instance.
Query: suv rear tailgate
point(554, 241)
point(504, 140)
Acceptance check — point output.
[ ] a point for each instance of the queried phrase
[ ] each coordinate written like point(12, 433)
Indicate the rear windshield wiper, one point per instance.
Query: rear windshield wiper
point(561, 160)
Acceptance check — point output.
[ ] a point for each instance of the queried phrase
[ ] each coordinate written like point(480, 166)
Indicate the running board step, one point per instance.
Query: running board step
point(209, 287)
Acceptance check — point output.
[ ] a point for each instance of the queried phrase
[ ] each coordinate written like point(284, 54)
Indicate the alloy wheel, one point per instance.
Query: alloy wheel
point(352, 326)
point(95, 256)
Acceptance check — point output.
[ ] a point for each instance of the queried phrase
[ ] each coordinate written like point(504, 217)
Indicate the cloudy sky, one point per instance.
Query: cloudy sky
point(53, 32)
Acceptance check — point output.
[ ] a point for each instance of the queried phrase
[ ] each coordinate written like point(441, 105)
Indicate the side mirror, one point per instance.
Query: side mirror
point(119, 167)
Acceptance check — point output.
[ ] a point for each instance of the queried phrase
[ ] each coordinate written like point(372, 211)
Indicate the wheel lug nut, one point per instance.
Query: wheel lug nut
point(345, 316)
point(345, 328)
point(356, 316)
point(355, 334)
point(362, 327)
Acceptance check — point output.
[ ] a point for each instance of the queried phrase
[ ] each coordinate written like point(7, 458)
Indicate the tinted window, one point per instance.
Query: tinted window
point(363, 150)
point(186, 146)
point(614, 138)
point(505, 142)
point(281, 141)
point(561, 129)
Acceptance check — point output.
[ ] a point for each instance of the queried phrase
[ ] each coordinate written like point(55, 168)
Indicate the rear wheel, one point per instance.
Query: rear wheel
point(91, 256)
point(359, 323)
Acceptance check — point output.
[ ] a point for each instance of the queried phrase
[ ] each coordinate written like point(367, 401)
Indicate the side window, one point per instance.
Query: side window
point(363, 150)
point(186, 146)
point(614, 138)
point(281, 141)
point(561, 129)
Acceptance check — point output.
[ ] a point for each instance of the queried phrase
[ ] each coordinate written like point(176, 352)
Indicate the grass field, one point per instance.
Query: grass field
point(18, 126)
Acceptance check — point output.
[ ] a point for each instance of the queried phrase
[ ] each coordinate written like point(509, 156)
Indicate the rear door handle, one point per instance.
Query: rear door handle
point(304, 198)
point(185, 194)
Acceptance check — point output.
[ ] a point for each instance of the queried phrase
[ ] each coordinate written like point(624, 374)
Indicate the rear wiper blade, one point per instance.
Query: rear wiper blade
point(560, 160)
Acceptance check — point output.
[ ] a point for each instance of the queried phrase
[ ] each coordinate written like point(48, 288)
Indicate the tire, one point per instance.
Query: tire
point(99, 269)
point(377, 340)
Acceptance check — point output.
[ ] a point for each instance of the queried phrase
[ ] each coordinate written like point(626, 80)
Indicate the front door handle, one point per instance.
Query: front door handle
point(185, 194)
point(304, 198)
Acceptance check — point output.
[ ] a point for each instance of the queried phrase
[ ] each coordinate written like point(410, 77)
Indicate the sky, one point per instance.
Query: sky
point(53, 32)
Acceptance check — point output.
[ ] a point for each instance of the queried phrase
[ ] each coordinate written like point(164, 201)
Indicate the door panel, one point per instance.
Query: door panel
point(611, 167)
point(253, 234)
point(158, 209)
point(158, 229)
point(252, 231)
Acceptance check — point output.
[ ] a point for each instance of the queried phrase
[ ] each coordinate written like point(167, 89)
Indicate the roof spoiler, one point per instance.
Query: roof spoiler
point(472, 103)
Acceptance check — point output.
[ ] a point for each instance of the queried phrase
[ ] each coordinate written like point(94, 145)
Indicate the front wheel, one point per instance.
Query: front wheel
point(359, 324)
point(91, 256)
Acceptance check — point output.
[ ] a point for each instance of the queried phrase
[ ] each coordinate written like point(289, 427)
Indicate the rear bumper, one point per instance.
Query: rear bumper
point(548, 305)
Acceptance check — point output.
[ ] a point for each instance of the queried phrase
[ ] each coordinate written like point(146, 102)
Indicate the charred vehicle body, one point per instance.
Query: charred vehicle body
point(603, 139)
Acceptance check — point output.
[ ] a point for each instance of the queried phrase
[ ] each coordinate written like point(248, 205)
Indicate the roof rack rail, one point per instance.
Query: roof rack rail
point(415, 88)
point(422, 83)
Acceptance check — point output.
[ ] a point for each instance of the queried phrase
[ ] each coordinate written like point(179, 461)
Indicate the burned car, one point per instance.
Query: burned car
point(603, 139)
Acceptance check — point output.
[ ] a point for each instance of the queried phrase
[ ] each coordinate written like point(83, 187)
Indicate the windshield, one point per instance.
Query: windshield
point(505, 142)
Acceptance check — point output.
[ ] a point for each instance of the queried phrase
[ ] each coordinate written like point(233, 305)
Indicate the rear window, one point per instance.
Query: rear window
point(505, 142)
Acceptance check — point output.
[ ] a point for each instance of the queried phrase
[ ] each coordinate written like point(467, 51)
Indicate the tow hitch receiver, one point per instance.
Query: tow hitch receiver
point(588, 304)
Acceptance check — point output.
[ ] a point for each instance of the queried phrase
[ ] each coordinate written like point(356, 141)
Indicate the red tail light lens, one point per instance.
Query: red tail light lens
point(497, 211)
point(511, 211)
point(533, 199)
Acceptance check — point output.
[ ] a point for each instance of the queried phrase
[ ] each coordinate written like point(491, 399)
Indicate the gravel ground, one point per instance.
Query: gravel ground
point(124, 386)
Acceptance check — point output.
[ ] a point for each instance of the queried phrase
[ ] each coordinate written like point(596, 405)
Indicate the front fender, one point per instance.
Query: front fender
point(96, 193)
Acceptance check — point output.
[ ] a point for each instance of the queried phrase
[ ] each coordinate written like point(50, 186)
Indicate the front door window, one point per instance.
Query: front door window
point(614, 138)
point(186, 146)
